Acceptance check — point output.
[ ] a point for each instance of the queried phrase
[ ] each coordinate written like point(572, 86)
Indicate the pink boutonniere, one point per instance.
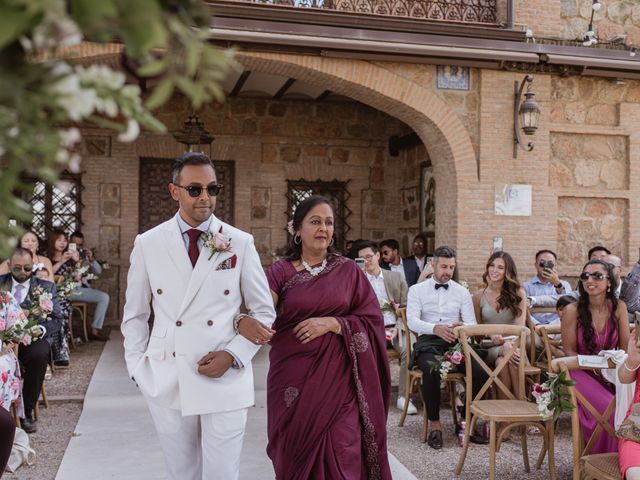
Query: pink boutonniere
point(216, 242)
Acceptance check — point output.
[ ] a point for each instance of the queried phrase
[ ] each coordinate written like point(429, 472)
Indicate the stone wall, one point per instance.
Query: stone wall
point(615, 17)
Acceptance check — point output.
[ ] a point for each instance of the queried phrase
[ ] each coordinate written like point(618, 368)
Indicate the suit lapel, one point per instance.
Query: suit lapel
point(202, 269)
point(176, 249)
point(388, 287)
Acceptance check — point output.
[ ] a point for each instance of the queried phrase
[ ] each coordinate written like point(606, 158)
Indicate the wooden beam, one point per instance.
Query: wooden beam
point(283, 89)
point(323, 95)
point(240, 83)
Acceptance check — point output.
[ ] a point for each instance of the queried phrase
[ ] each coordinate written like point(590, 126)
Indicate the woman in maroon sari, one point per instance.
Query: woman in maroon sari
point(328, 385)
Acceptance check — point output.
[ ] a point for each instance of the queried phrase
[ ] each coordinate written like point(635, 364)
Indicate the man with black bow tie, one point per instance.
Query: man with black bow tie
point(434, 308)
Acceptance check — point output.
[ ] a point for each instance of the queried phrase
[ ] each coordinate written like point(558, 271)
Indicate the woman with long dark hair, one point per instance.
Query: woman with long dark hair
point(328, 385)
point(30, 241)
point(502, 301)
point(598, 321)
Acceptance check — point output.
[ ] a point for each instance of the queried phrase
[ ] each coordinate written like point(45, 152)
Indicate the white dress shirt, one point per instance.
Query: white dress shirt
point(398, 268)
point(420, 262)
point(25, 290)
point(185, 227)
point(428, 307)
point(377, 282)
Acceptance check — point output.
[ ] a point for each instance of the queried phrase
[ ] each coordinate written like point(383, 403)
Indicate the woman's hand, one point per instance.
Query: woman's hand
point(254, 331)
point(497, 340)
point(313, 328)
point(69, 255)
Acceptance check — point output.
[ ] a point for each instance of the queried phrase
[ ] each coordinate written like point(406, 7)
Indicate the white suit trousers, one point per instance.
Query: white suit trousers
point(200, 447)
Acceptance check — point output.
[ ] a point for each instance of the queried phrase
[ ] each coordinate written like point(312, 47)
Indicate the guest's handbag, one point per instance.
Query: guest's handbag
point(630, 428)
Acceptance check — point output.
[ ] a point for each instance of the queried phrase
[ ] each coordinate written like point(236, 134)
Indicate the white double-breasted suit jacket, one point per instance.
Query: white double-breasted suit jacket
point(194, 309)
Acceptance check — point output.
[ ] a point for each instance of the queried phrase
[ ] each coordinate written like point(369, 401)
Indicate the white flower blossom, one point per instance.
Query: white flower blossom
point(70, 137)
point(132, 132)
point(13, 132)
point(107, 105)
point(101, 75)
point(62, 156)
point(74, 163)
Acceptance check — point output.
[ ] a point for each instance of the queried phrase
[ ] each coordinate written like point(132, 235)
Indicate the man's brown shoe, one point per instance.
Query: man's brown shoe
point(99, 336)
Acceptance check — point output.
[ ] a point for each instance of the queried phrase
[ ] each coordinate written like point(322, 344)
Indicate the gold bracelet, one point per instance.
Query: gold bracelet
point(630, 369)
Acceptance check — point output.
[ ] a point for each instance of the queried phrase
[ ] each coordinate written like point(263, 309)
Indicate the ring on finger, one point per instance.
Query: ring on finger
point(307, 335)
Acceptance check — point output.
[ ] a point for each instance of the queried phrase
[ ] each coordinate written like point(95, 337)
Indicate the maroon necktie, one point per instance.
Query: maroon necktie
point(194, 235)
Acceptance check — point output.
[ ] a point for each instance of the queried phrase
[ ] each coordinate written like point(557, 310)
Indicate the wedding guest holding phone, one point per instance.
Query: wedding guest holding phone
point(629, 450)
point(546, 282)
point(328, 386)
point(598, 321)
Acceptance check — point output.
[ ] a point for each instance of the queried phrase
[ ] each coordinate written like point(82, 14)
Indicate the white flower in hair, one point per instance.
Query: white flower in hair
point(290, 228)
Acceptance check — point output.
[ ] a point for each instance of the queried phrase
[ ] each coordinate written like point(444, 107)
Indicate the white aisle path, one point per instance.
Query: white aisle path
point(115, 437)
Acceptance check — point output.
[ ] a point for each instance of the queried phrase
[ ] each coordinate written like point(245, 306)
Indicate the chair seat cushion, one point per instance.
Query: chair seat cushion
point(602, 465)
point(506, 410)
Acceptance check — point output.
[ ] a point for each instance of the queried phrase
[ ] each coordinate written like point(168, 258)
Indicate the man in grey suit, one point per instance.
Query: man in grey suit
point(390, 288)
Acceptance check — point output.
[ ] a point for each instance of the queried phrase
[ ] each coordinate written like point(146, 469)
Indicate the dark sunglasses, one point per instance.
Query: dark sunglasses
point(196, 190)
point(19, 268)
point(584, 276)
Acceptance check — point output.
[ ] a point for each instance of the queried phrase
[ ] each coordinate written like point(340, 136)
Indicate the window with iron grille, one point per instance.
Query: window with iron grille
point(337, 194)
point(56, 207)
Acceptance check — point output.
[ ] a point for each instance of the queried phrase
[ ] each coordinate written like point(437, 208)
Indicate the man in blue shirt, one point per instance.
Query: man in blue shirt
point(546, 282)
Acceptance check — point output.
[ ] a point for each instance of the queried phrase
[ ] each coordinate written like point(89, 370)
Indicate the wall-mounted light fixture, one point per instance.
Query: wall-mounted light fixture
point(193, 133)
point(525, 115)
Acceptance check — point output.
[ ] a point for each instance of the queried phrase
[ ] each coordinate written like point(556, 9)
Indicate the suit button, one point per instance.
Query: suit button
point(209, 322)
point(226, 292)
point(159, 291)
point(178, 323)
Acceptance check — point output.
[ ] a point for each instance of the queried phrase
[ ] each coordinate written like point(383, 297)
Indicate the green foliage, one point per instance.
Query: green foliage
point(42, 101)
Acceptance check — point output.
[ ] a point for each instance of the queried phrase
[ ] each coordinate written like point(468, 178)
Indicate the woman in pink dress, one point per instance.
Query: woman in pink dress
point(598, 321)
point(328, 384)
point(628, 450)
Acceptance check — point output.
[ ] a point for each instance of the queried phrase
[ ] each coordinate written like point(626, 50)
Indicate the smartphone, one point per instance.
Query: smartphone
point(73, 247)
point(360, 262)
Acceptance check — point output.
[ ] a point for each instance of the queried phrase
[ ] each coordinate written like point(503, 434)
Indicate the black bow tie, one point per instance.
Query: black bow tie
point(442, 285)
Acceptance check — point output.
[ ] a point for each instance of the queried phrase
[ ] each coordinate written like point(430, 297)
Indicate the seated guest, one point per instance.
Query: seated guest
point(616, 264)
point(390, 288)
point(434, 308)
point(630, 290)
point(546, 282)
point(503, 302)
point(29, 241)
point(419, 248)
point(34, 358)
point(628, 450)
point(72, 258)
point(598, 252)
point(407, 267)
point(598, 321)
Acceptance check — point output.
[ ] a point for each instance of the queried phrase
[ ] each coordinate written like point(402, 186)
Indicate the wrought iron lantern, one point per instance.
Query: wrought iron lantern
point(525, 115)
point(193, 133)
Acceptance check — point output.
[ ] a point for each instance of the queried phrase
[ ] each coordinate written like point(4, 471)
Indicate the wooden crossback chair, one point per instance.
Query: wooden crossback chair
point(602, 466)
point(414, 377)
point(511, 413)
point(549, 351)
point(82, 309)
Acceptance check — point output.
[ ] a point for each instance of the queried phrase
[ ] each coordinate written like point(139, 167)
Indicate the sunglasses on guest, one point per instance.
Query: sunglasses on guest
point(19, 268)
point(584, 276)
point(195, 191)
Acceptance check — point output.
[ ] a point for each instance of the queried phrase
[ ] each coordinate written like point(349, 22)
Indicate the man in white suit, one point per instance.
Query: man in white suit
point(195, 369)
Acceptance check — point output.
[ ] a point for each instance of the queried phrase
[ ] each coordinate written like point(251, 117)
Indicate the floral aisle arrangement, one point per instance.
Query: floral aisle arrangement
point(389, 306)
point(21, 328)
point(552, 396)
point(82, 273)
point(65, 286)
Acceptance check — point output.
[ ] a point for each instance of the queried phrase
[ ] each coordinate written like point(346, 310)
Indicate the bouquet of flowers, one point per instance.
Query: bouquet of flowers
point(552, 396)
point(82, 273)
point(451, 359)
point(40, 304)
point(65, 286)
point(23, 329)
point(389, 306)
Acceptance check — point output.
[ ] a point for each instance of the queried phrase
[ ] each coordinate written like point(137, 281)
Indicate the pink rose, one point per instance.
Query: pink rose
point(457, 358)
point(220, 243)
point(4, 377)
point(46, 304)
point(26, 339)
point(3, 324)
point(539, 389)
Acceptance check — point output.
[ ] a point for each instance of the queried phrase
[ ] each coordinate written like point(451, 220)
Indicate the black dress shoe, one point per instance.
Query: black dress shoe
point(435, 439)
point(478, 439)
point(29, 425)
point(61, 363)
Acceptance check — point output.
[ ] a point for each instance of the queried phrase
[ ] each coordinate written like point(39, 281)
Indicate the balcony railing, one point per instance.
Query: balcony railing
point(464, 11)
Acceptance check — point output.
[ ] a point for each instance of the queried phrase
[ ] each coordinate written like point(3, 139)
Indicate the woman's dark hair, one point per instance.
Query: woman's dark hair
point(294, 251)
point(39, 249)
point(51, 243)
point(509, 298)
point(584, 311)
point(565, 300)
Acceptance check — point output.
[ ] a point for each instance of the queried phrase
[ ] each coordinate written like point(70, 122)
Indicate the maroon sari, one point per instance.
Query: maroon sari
point(327, 400)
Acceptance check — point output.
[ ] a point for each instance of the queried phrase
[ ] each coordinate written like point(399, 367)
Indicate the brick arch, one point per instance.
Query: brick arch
point(442, 132)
